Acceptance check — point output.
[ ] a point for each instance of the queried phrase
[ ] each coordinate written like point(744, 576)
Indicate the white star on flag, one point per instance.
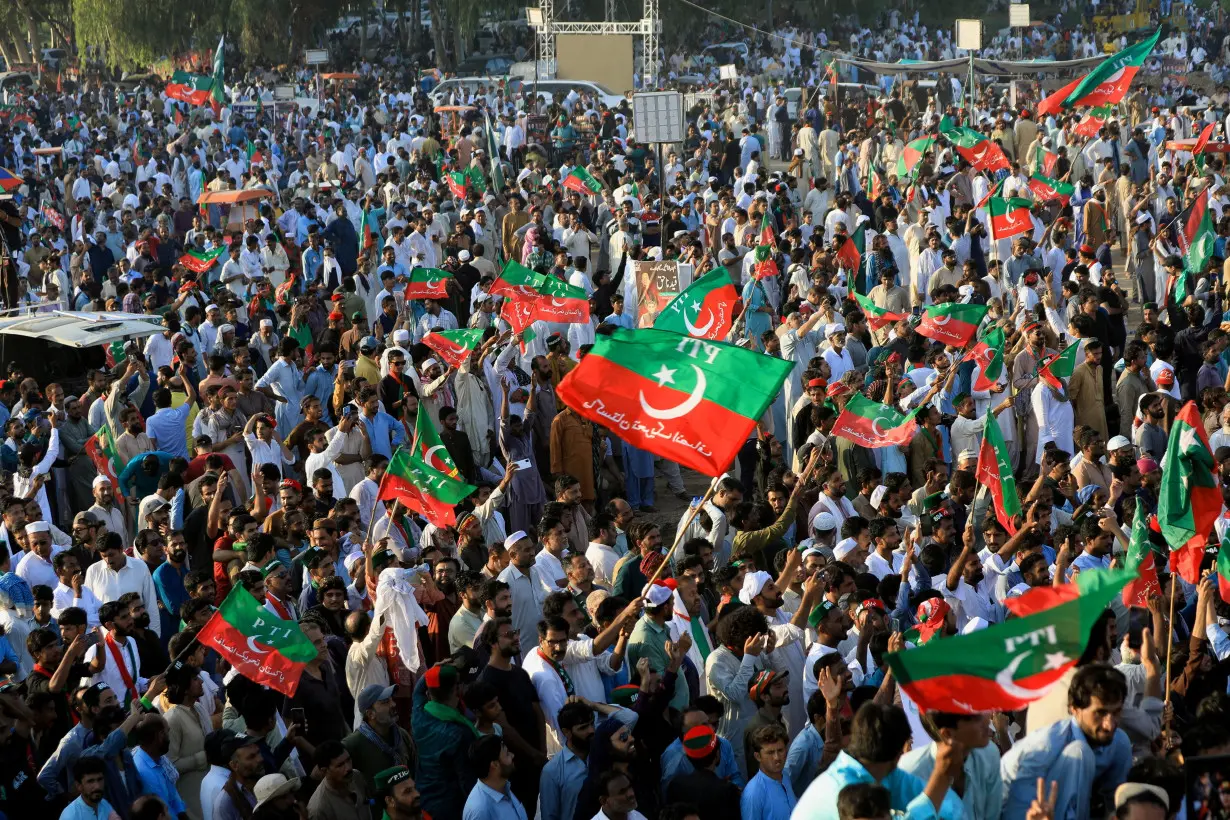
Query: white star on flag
point(665, 376)
point(1056, 660)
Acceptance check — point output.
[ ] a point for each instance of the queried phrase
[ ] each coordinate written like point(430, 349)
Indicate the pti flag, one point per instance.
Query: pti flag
point(976, 149)
point(423, 489)
point(704, 309)
point(1046, 189)
point(453, 346)
point(1140, 559)
point(428, 283)
point(912, 155)
point(1223, 567)
point(765, 250)
point(988, 353)
point(1092, 122)
point(258, 644)
point(201, 261)
point(1009, 217)
point(1196, 238)
point(428, 446)
point(561, 302)
point(1189, 498)
point(994, 471)
point(1106, 84)
point(1058, 366)
point(953, 323)
point(874, 425)
point(877, 317)
point(101, 449)
point(517, 281)
point(689, 400)
point(582, 182)
point(193, 89)
point(1009, 665)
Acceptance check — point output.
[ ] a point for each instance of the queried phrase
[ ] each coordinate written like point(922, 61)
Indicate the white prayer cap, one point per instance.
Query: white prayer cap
point(352, 559)
point(964, 454)
point(401, 337)
point(210, 307)
point(1118, 443)
point(1142, 218)
point(429, 363)
point(833, 327)
point(226, 328)
point(823, 522)
point(975, 623)
point(813, 551)
point(753, 582)
point(656, 594)
point(463, 256)
point(100, 480)
point(877, 495)
point(37, 526)
point(266, 323)
point(844, 547)
point(514, 538)
point(798, 152)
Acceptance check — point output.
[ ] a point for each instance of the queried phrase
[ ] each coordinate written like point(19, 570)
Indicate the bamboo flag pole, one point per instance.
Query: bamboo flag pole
point(683, 528)
point(1170, 639)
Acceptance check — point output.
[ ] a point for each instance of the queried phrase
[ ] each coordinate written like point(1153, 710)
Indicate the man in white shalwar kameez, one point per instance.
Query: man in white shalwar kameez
point(1053, 412)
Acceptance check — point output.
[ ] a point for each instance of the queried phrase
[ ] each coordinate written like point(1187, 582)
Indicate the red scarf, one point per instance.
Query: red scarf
point(48, 673)
point(118, 657)
point(282, 611)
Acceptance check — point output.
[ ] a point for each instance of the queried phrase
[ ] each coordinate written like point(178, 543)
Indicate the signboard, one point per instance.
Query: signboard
point(315, 56)
point(536, 129)
point(657, 116)
point(656, 284)
point(969, 35)
point(728, 72)
point(1018, 15)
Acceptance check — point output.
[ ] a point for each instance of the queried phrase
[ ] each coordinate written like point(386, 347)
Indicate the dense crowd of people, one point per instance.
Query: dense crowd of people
point(563, 650)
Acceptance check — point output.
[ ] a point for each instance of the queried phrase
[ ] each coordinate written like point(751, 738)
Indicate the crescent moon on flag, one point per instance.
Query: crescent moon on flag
point(940, 321)
point(1005, 682)
point(875, 427)
point(430, 450)
point(698, 331)
point(255, 647)
point(680, 410)
point(557, 303)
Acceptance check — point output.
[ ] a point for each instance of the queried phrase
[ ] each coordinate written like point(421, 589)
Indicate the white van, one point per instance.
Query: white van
point(547, 89)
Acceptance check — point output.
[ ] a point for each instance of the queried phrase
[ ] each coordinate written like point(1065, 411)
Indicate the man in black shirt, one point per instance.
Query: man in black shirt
point(519, 699)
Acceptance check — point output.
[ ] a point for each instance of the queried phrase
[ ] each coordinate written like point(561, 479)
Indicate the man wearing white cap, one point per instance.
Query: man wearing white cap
point(35, 566)
point(527, 587)
point(832, 498)
point(761, 591)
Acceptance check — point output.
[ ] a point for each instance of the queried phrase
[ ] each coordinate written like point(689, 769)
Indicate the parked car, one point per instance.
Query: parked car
point(62, 346)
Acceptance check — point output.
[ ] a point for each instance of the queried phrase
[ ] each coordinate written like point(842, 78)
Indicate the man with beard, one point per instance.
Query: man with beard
point(114, 659)
point(520, 699)
point(469, 616)
point(787, 655)
point(90, 775)
point(341, 794)
point(275, 798)
point(492, 797)
point(279, 599)
point(441, 610)
point(966, 586)
point(379, 743)
point(105, 510)
point(527, 586)
point(564, 775)
point(118, 573)
point(150, 651)
point(157, 773)
point(444, 736)
point(169, 581)
point(237, 798)
point(982, 788)
point(396, 789)
point(770, 691)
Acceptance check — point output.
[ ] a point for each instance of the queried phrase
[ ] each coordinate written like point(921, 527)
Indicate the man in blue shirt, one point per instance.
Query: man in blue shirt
point(157, 773)
point(321, 380)
point(384, 432)
point(167, 428)
point(565, 773)
point(492, 797)
point(90, 775)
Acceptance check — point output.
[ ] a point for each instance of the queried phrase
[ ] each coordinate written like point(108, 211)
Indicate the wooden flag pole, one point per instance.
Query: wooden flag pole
point(1170, 639)
point(687, 522)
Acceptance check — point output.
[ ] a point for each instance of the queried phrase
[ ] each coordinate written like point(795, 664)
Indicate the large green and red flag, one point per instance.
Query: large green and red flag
point(1140, 560)
point(561, 302)
point(261, 646)
point(1106, 84)
point(953, 323)
point(201, 261)
point(705, 308)
point(193, 89)
point(877, 317)
point(1009, 217)
point(849, 257)
point(1046, 161)
point(996, 190)
point(428, 446)
point(428, 283)
point(1189, 498)
point(519, 313)
point(457, 182)
point(766, 249)
point(582, 182)
point(1196, 236)
point(988, 353)
point(423, 489)
point(453, 346)
point(875, 425)
point(367, 237)
point(912, 154)
point(976, 149)
point(517, 281)
point(1046, 189)
point(994, 471)
point(1052, 369)
point(477, 181)
point(692, 401)
point(101, 449)
point(1092, 123)
point(218, 88)
point(1009, 665)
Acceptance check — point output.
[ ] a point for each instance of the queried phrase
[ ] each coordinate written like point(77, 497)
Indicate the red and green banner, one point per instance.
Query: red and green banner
point(1009, 665)
point(218, 89)
point(260, 646)
point(101, 449)
point(1009, 217)
point(193, 89)
point(517, 281)
point(996, 190)
point(912, 154)
point(559, 301)
point(457, 182)
point(202, 261)
point(582, 182)
point(976, 149)
point(849, 257)
point(1196, 237)
point(1189, 498)
point(877, 317)
point(988, 354)
point(428, 283)
point(519, 313)
point(1106, 84)
point(1141, 561)
point(953, 323)
point(423, 489)
point(766, 249)
point(427, 445)
point(875, 425)
point(1046, 161)
point(689, 400)
point(1092, 123)
point(1047, 189)
point(705, 308)
point(994, 471)
point(1058, 366)
point(453, 346)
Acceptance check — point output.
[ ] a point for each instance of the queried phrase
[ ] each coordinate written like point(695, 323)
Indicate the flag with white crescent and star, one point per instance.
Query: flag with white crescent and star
point(428, 283)
point(1009, 217)
point(705, 309)
point(1009, 665)
point(422, 488)
point(428, 446)
point(258, 644)
point(689, 400)
point(873, 425)
point(953, 323)
point(453, 346)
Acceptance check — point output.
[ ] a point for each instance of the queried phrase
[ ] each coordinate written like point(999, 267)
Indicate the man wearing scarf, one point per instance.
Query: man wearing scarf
point(378, 742)
point(444, 736)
